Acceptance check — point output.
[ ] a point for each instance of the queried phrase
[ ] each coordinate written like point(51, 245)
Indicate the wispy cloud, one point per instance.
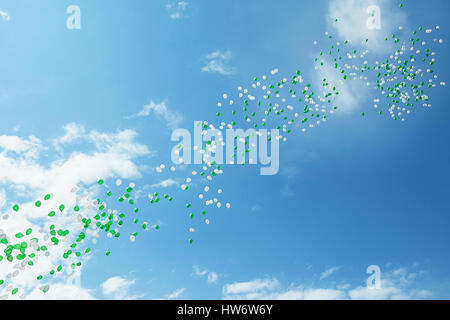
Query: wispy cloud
point(176, 294)
point(177, 9)
point(165, 183)
point(250, 286)
point(328, 272)
point(352, 18)
point(162, 111)
point(4, 15)
point(118, 288)
point(217, 62)
point(211, 276)
point(199, 272)
point(396, 284)
point(73, 131)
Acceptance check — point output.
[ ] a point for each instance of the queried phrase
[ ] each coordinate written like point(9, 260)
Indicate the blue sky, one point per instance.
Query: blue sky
point(357, 191)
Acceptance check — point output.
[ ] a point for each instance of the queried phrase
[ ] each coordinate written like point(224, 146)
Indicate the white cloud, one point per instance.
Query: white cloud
point(165, 183)
point(176, 294)
point(271, 289)
point(308, 294)
point(64, 286)
point(73, 131)
point(23, 171)
point(219, 55)
point(199, 272)
point(117, 287)
point(343, 286)
point(211, 276)
point(4, 15)
point(328, 272)
point(172, 118)
point(177, 9)
point(2, 198)
point(389, 293)
point(121, 142)
point(61, 291)
point(352, 18)
point(113, 155)
point(351, 91)
point(217, 62)
point(250, 286)
point(396, 284)
point(114, 284)
point(25, 147)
